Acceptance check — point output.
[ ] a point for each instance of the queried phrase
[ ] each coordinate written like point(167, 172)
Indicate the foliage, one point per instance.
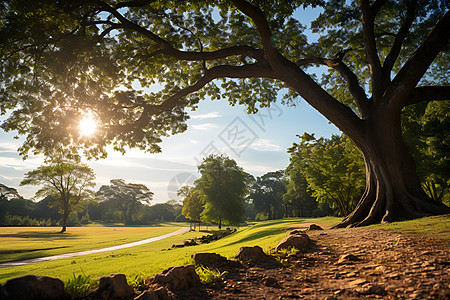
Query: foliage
point(333, 170)
point(125, 197)
point(425, 129)
point(7, 192)
point(223, 185)
point(64, 180)
point(267, 195)
point(79, 285)
point(193, 203)
point(208, 275)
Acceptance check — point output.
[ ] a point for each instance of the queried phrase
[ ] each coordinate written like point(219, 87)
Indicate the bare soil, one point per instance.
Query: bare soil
point(382, 265)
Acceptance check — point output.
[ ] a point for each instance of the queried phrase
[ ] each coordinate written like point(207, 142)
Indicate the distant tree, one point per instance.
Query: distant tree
point(8, 192)
point(297, 201)
point(223, 184)
point(333, 169)
point(176, 205)
point(160, 212)
point(267, 195)
point(125, 197)
point(66, 181)
point(193, 203)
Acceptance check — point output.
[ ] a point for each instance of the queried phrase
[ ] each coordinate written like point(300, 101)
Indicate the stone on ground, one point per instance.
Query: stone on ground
point(113, 287)
point(297, 241)
point(34, 288)
point(179, 278)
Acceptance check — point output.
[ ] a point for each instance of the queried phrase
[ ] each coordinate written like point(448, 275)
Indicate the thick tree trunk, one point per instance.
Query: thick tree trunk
point(393, 190)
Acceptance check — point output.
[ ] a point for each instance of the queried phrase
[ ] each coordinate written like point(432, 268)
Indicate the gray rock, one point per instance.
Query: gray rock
point(297, 241)
point(33, 287)
point(179, 278)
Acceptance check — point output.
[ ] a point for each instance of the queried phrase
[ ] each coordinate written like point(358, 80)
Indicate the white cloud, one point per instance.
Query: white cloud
point(209, 115)
point(265, 145)
point(204, 126)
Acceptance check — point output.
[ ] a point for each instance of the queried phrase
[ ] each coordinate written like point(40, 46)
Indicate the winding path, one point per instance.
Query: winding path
point(87, 252)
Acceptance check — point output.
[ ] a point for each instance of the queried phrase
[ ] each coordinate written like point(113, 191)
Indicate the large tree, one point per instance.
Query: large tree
point(66, 181)
point(223, 186)
point(125, 197)
point(62, 58)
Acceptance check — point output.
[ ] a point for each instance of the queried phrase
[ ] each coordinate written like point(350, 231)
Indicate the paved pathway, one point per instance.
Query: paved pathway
point(81, 253)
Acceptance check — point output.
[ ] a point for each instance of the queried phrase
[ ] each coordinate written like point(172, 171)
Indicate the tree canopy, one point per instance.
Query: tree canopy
point(63, 58)
point(223, 186)
point(67, 182)
point(125, 197)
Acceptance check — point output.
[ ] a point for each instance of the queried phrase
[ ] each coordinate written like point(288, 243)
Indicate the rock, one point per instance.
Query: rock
point(314, 227)
point(251, 254)
point(164, 294)
point(357, 282)
point(256, 256)
point(179, 278)
point(270, 281)
point(298, 241)
point(372, 289)
point(347, 259)
point(297, 231)
point(147, 295)
point(34, 288)
point(113, 287)
point(209, 259)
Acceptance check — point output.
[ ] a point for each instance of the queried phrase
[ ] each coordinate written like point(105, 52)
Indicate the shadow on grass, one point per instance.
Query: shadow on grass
point(40, 235)
point(258, 235)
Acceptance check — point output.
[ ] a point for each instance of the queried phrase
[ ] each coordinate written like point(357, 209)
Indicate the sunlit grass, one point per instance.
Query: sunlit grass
point(18, 243)
point(436, 226)
point(153, 258)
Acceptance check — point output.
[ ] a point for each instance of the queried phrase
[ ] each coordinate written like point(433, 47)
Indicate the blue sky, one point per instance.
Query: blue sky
point(257, 142)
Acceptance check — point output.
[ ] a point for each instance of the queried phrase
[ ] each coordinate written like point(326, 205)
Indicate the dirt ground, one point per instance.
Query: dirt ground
point(357, 263)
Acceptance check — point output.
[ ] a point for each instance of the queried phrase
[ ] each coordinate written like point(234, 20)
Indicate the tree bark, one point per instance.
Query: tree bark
point(64, 224)
point(393, 190)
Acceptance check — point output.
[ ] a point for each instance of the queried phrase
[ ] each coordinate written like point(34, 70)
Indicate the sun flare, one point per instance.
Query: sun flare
point(88, 125)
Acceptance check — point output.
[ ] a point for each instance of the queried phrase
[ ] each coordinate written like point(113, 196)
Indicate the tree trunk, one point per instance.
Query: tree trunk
point(220, 223)
point(64, 224)
point(393, 190)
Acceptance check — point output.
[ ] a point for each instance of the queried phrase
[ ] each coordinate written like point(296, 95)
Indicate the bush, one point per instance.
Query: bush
point(208, 275)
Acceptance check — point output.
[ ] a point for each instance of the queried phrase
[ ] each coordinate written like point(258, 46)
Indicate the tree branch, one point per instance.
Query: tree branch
point(429, 93)
point(175, 53)
point(255, 13)
point(368, 22)
point(399, 38)
point(355, 88)
point(224, 71)
point(416, 66)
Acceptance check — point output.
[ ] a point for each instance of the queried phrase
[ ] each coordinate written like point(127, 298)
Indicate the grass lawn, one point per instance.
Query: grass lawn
point(149, 259)
point(435, 227)
point(18, 243)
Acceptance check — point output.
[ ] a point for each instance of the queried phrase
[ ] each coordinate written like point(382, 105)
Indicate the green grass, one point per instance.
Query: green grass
point(151, 258)
point(436, 227)
point(18, 243)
